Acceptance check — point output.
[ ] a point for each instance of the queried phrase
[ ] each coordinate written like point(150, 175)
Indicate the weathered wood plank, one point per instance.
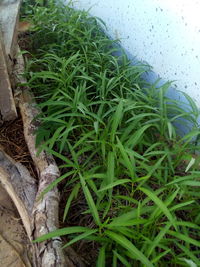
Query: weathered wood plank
point(7, 104)
point(9, 15)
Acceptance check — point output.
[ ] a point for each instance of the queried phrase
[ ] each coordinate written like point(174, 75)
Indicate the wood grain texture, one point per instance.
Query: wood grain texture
point(7, 104)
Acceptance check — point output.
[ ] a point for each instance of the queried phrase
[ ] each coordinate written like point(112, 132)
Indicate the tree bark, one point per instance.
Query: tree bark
point(20, 186)
point(7, 104)
point(45, 210)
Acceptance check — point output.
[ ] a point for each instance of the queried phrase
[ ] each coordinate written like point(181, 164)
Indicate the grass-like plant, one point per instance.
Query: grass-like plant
point(116, 137)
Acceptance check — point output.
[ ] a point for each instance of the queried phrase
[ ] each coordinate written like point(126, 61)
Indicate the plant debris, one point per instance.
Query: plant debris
point(13, 143)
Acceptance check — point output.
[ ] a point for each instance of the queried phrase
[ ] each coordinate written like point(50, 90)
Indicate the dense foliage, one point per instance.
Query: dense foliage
point(117, 139)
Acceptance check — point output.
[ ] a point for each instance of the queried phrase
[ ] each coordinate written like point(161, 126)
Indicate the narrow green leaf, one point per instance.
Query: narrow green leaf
point(122, 259)
point(110, 168)
point(185, 238)
point(160, 255)
point(101, 261)
point(190, 164)
point(170, 129)
point(159, 203)
point(192, 104)
point(189, 253)
point(181, 205)
point(126, 223)
point(127, 161)
point(72, 195)
point(118, 182)
point(55, 182)
point(181, 179)
point(158, 239)
point(61, 232)
point(134, 140)
point(190, 263)
point(191, 183)
point(156, 166)
point(90, 200)
point(80, 237)
point(116, 120)
point(126, 244)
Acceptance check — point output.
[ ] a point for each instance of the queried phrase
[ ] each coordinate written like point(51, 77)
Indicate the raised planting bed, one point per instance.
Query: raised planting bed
point(129, 181)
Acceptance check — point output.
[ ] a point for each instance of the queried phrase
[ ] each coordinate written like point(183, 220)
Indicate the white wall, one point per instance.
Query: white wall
point(164, 33)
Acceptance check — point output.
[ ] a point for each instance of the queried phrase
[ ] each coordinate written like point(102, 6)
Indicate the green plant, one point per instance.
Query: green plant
point(27, 6)
point(117, 139)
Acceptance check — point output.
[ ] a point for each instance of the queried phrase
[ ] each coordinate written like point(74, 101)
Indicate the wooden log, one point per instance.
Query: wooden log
point(9, 16)
point(45, 211)
point(7, 104)
point(20, 186)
